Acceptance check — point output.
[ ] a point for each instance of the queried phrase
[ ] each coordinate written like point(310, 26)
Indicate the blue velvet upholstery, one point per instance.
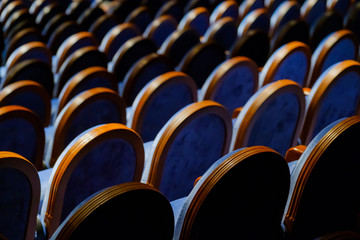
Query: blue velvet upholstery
point(342, 100)
point(236, 88)
point(316, 11)
point(292, 13)
point(256, 4)
point(18, 135)
point(15, 201)
point(161, 107)
point(161, 32)
point(31, 100)
point(82, 42)
point(262, 22)
point(194, 149)
point(231, 11)
point(109, 163)
point(224, 33)
point(200, 23)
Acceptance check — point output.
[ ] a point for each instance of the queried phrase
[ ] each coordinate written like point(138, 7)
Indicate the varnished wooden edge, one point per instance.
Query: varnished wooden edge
point(217, 26)
point(14, 111)
point(212, 180)
point(284, 10)
point(76, 105)
point(226, 68)
point(26, 85)
point(72, 158)
point(294, 153)
point(190, 16)
point(9, 9)
point(16, 161)
point(272, 90)
point(331, 78)
point(283, 53)
point(309, 165)
point(154, 87)
point(221, 9)
point(10, 48)
point(92, 72)
point(178, 122)
point(156, 23)
point(255, 14)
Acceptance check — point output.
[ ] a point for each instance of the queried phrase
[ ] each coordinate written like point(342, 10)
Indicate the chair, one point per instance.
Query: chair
point(256, 19)
point(194, 138)
point(10, 9)
point(235, 192)
point(232, 83)
point(103, 25)
point(160, 28)
point(20, 195)
point(291, 61)
point(72, 44)
point(54, 23)
point(141, 17)
point(145, 214)
point(340, 6)
point(61, 33)
point(90, 108)
point(116, 37)
point(78, 173)
point(33, 69)
point(23, 133)
point(179, 43)
point(31, 50)
point(86, 79)
point(272, 117)
point(142, 72)
point(223, 32)
point(79, 60)
point(172, 8)
point(128, 54)
point(28, 94)
point(158, 101)
point(197, 19)
point(285, 12)
point(248, 6)
point(228, 8)
point(324, 178)
point(89, 16)
point(47, 13)
point(336, 47)
point(254, 44)
point(334, 95)
point(124, 8)
point(311, 10)
point(75, 9)
point(351, 19)
point(15, 19)
point(37, 6)
point(201, 60)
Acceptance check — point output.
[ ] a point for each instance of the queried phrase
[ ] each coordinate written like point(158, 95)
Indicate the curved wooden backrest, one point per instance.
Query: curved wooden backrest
point(340, 6)
point(336, 47)
point(179, 43)
point(86, 79)
point(33, 69)
point(286, 11)
point(336, 94)
point(47, 13)
point(248, 6)
point(22, 132)
point(76, 8)
point(272, 117)
point(90, 108)
point(103, 25)
point(223, 32)
point(159, 100)
point(141, 17)
point(160, 28)
point(129, 53)
point(145, 214)
point(54, 23)
point(72, 44)
point(38, 5)
point(254, 44)
point(291, 61)
point(194, 138)
point(142, 72)
point(172, 8)
point(20, 196)
point(79, 60)
point(28, 94)
point(232, 83)
point(16, 19)
point(12, 7)
point(311, 10)
point(256, 19)
point(124, 8)
point(100, 157)
point(228, 8)
point(61, 33)
point(116, 37)
point(201, 60)
point(197, 19)
point(325, 178)
point(227, 200)
point(31, 50)
point(89, 16)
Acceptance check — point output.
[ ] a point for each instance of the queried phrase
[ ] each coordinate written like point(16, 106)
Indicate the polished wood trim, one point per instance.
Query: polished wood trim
point(156, 23)
point(193, 14)
point(281, 56)
point(268, 94)
point(221, 9)
point(255, 14)
point(26, 85)
point(285, 8)
point(327, 83)
point(14, 160)
point(153, 88)
point(78, 103)
point(236, 112)
point(27, 50)
point(309, 165)
point(14, 111)
point(69, 90)
point(178, 122)
point(330, 43)
point(72, 158)
point(294, 153)
point(12, 7)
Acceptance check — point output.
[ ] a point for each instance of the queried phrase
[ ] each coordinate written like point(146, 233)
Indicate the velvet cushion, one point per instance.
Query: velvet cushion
point(199, 23)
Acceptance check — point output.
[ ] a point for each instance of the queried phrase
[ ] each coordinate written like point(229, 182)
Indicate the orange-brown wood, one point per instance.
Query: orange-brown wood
point(294, 153)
